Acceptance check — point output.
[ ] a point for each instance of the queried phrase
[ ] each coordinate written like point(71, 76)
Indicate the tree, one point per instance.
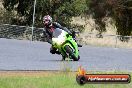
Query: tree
point(122, 14)
point(119, 10)
point(60, 10)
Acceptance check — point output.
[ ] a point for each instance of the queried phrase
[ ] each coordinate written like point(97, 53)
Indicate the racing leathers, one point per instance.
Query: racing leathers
point(49, 34)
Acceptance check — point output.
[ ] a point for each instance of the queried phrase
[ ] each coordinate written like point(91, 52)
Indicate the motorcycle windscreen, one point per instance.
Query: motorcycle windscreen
point(59, 36)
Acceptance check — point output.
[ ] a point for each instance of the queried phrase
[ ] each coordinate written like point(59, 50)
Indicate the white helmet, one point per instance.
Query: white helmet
point(47, 20)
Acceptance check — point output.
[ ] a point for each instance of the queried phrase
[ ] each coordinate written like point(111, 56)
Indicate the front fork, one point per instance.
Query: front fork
point(66, 53)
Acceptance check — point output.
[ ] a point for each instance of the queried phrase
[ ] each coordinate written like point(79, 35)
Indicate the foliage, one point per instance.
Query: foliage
point(60, 10)
point(119, 10)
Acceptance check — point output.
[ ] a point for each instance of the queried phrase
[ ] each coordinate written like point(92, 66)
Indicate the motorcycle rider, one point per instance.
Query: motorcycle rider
point(49, 27)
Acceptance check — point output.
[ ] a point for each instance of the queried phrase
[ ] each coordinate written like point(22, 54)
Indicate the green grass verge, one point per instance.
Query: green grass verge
point(51, 80)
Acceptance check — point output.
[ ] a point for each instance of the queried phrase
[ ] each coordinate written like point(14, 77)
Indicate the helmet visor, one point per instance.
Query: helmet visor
point(46, 21)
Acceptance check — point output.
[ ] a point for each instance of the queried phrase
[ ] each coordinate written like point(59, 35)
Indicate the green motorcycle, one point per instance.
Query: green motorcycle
point(65, 44)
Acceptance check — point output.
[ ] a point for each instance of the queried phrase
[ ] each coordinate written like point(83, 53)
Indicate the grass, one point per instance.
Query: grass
point(48, 80)
point(91, 39)
point(106, 42)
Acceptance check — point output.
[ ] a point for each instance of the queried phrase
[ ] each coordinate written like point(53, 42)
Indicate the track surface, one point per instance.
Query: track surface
point(27, 55)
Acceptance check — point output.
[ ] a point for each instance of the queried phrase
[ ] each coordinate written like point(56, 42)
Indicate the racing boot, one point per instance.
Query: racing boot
point(57, 52)
point(79, 45)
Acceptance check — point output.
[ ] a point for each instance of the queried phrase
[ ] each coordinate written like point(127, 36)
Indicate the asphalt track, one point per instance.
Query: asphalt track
point(28, 55)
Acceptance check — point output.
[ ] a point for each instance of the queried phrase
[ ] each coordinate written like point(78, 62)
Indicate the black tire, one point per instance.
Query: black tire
point(75, 58)
point(81, 80)
point(63, 58)
point(69, 50)
point(78, 58)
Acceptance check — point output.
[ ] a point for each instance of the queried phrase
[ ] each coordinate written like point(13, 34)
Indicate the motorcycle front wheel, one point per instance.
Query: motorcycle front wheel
point(70, 52)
